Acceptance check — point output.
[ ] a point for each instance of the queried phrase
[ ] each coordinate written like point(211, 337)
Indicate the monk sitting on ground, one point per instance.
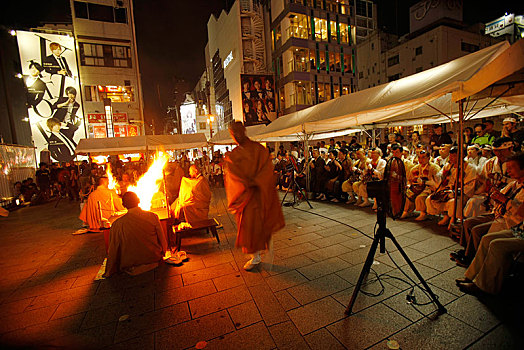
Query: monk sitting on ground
point(110, 204)
point(136, 240)
point(192, 204)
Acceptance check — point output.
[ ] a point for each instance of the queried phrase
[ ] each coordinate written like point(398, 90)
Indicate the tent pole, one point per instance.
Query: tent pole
point(373, 135)
point(306, 160)
point(459, 179)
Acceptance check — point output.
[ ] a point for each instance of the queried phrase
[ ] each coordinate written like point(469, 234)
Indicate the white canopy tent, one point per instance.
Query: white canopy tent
point(134, 144)
point(223, 137)
point(423, 96)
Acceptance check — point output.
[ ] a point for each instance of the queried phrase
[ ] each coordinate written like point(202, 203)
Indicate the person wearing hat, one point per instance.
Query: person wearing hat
point(496, 250)
point(481, 137)
point(510, 130)
point(475, 158)
point(506, 213)
point(448, 175)
point(492, 175)
point(487, 151)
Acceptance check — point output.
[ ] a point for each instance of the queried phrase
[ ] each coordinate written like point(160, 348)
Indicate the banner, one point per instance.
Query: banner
point(50, 76)
point(188, 116)
point(258, 99)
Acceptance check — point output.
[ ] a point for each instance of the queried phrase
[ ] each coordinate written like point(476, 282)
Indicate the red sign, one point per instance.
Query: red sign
point(132, 130)
point(120, 118)
point(99, 131)
point(96, 118)
point(120, 130)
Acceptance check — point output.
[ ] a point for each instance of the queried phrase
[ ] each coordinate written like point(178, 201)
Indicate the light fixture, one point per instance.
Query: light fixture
point(18, 75)
point(12, 32)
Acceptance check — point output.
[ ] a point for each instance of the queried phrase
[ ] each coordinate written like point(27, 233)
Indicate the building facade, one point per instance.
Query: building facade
point(236, 46)
point(79, 69)
point(313, 48)
point(108, 64)
point(437, 36)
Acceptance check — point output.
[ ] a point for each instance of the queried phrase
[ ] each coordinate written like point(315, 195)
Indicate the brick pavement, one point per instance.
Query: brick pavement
point(49, 297)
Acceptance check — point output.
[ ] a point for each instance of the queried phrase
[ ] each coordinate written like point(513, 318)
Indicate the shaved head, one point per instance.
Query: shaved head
point(238, 132)
point(130, 200)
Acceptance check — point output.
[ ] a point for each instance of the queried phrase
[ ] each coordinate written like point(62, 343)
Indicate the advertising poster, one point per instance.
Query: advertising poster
point(50, 75)
point(132, 130)
point(258, 99)
point(188, 116)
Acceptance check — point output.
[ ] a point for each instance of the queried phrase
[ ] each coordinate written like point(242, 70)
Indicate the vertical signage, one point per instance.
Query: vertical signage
point(109, 117)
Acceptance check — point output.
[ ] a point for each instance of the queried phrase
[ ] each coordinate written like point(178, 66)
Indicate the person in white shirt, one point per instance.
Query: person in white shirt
point(437, 203)
point(375, 171)
point(475, 157)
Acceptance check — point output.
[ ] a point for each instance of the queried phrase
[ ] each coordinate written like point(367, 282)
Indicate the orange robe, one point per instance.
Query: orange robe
point(251, 196)
point(136, 243)
point(174, 180)
point(193, 200)
point(109, 202)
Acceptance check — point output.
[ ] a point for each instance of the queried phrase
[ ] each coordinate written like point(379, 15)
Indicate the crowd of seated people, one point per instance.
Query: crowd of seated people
point(490, 189)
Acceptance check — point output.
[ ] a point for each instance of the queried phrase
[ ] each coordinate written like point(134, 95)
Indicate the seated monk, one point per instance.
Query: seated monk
point(192, 204)
point(136, 240)
point(110, 204)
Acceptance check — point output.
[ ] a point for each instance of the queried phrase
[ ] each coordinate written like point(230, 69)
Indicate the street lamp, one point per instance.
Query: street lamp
point(210, 120)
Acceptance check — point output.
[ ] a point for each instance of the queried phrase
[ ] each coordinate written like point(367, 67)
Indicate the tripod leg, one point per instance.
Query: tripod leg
point(305, 197)
point(363, 273)
point(285, 195)
point(441, 308)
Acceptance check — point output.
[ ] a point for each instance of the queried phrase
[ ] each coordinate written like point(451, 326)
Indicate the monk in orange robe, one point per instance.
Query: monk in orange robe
point(251, 194)
point(110, 204)
point(137, 242)
point(192, 204)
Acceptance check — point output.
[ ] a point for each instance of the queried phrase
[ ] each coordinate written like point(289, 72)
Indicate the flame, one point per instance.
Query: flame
point(149, 183)
point(99, 159)
point(113, 184)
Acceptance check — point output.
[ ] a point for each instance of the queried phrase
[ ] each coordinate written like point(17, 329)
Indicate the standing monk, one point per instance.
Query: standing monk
point(251, 194)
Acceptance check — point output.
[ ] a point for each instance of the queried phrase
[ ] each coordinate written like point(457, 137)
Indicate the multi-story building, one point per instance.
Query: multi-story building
point(108, 62)
point(437, 35)
point(203, 96)
point(313, 48)
point(87, 51)
point(236, 46)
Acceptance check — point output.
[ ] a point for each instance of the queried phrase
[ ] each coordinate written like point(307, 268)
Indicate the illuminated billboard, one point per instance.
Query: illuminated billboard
point(50, 75)
point(258, 99)
point(188, 116)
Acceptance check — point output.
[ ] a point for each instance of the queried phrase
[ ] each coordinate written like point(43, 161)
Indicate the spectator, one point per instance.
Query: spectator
point(438, 139)
point(468, 135)
point(510, 130)
point(482, 138)
point(43, 180)
point(489, 129)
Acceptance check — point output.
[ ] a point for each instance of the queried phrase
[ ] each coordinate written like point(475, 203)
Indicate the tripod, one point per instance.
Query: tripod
point(380, 238)
point(294, 186)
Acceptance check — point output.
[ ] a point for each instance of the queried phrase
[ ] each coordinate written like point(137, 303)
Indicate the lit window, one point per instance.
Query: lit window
point(113, 92)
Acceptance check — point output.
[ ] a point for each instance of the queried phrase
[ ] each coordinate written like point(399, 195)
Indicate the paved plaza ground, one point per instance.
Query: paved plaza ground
point(49, 298)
